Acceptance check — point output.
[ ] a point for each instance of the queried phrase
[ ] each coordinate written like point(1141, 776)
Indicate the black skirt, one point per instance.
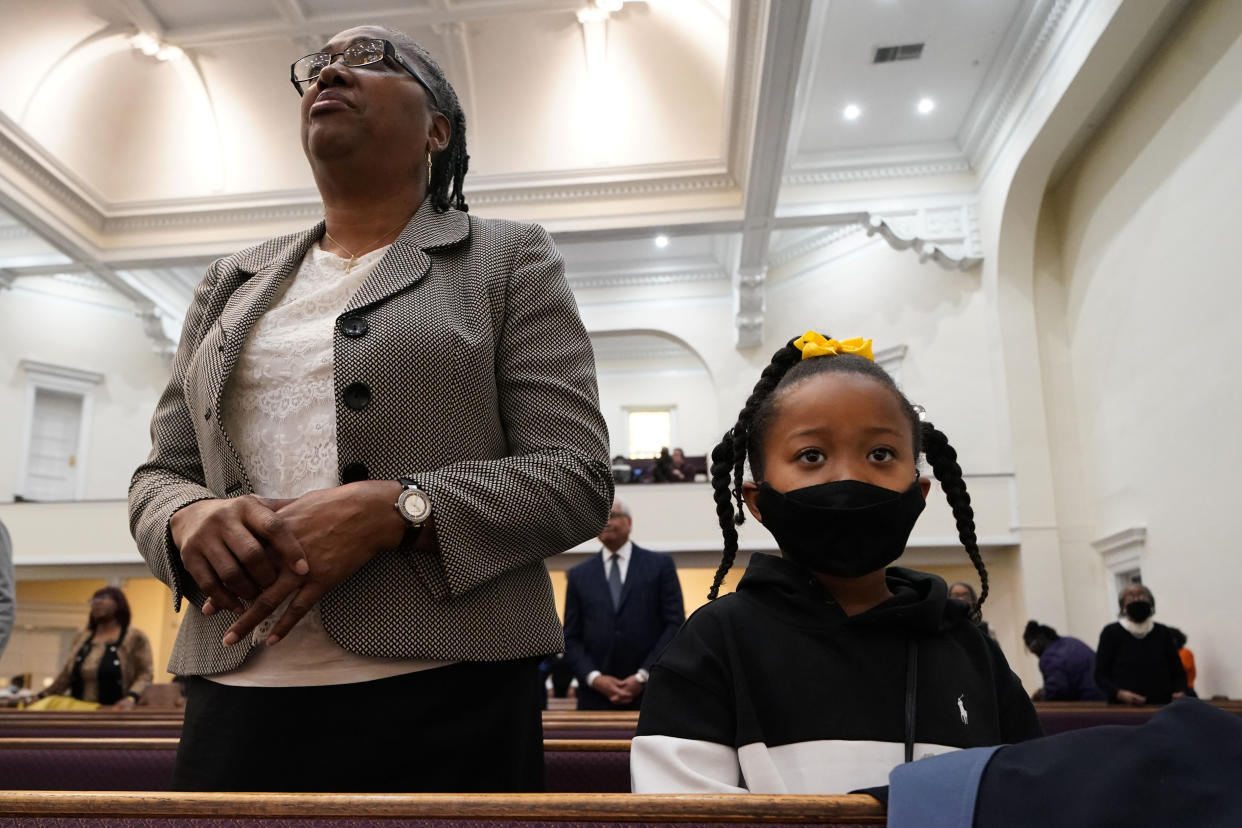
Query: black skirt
point(467, 727)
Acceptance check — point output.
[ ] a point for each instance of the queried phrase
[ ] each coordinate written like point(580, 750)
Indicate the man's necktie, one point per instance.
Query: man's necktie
point(614, 580)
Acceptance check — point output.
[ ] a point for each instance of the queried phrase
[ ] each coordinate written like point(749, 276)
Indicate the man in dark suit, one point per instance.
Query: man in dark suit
point(621, 608)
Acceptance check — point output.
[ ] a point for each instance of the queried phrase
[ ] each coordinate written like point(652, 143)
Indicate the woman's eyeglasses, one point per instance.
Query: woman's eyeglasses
point(305, 71)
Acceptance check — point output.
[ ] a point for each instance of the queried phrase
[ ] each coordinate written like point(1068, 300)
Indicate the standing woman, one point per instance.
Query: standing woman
point(375, 432)
point(111, 661)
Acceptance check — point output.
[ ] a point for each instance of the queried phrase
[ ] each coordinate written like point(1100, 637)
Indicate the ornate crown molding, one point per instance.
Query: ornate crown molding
point(818, 241)
point(646, 278)
point(981, 136)
point(1120, 541)
point(876, 172)
point(640, 354)
point(949, 236)
point(16, 232)
point(48, 372)
point(619, 189)
point(27, 159)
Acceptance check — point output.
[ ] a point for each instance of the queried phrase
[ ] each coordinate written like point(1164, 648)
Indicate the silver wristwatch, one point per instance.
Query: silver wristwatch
point(413, 504)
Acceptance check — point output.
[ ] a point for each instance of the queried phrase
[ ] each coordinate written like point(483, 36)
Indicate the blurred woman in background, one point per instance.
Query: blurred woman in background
point(111, 661)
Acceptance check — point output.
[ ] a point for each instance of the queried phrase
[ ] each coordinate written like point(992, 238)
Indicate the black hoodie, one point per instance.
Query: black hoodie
point(774, 689)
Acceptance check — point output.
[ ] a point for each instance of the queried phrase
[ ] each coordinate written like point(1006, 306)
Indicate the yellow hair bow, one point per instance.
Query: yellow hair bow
point(812, 344)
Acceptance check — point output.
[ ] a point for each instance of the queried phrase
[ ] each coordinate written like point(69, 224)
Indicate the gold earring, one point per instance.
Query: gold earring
point(428, 165)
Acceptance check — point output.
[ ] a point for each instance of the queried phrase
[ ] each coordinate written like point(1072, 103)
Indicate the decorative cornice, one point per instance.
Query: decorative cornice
point(893, 354)
point(981, 136)
point(628, 354)
point(31, 162)
point(306, 206)
point(876, 172)
point(620, 189)
point(46, 370)
point(307, 211)
point(83, 279)
point(153, 326)
point(16, 232)
point(1118, 541)
point(924, 248)
point(818, 241)
point(646, 278)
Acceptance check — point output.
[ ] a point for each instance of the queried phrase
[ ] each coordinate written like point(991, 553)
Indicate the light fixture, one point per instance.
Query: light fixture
point(926, 105)
point(851, 112)
point(661, 241)
point(152, 47)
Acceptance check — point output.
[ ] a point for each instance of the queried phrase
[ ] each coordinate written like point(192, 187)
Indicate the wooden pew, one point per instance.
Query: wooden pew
point(119, 764)
point(179, 810)
point(1059, 717)
point(1056, 717)
point(113, 724)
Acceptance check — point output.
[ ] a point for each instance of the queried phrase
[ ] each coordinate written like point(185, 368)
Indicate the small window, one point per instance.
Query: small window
point(54, 443)
point(650, 430)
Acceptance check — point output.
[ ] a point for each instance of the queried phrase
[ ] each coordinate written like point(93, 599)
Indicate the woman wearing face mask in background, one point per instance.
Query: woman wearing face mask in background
point(1136, 661)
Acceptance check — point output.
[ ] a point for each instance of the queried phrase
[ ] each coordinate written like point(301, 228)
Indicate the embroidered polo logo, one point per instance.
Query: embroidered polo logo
point(961, 708)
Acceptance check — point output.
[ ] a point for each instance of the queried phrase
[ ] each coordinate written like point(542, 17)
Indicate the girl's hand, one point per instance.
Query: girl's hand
point(1126, 697)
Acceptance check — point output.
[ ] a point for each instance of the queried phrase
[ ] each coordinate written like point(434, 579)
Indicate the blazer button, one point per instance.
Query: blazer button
point(207, 414)
point(354, 326)
point(355, 472)
point(357, 395)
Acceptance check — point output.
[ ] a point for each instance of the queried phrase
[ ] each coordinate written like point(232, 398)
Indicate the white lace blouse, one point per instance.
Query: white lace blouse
point(280, 412)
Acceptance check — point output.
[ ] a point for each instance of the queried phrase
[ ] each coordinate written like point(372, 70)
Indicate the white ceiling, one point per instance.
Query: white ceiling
point(962, 41)
point(716, 122)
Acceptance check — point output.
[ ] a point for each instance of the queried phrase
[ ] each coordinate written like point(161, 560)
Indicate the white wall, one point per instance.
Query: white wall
point(89, 330)
point(682, 384)
point(1147, 297)
point(893, 299)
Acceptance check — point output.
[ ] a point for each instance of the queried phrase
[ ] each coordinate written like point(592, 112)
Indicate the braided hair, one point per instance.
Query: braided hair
point(449, 165)
point(744, 441)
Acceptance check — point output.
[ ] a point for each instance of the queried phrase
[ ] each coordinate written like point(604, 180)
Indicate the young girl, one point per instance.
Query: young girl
point(825, 669)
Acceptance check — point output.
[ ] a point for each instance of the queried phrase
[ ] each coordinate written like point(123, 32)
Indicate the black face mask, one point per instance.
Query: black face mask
point(1138, 611)
point(846, 528)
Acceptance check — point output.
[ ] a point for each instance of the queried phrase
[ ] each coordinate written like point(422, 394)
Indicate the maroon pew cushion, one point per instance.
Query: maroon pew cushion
point(108, 769)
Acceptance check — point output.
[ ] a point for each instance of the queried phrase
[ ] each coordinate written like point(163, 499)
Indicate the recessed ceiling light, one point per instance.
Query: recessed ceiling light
point(661, 241)
point(851, 112)
point(926, 105)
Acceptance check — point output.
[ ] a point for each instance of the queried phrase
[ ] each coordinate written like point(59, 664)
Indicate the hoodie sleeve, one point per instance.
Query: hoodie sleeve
point(1018, 719)
point(685, 737)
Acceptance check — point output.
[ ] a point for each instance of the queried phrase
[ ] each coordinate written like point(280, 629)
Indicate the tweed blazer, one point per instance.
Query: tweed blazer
point(462, 362)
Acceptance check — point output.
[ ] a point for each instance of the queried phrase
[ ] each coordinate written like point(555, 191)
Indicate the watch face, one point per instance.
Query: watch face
point(415, 505)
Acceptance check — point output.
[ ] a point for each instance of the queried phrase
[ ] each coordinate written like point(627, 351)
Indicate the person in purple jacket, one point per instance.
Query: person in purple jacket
point(1067, 664)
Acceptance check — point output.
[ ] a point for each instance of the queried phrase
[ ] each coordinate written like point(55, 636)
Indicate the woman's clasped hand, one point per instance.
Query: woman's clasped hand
point(250, 554)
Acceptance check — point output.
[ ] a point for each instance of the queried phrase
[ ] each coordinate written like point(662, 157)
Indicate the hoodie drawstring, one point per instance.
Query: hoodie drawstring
point(912, 668)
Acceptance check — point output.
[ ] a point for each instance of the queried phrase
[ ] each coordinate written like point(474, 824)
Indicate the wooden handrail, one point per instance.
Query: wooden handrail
point(173, 713)
point(161, 743)
point(750, 808)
